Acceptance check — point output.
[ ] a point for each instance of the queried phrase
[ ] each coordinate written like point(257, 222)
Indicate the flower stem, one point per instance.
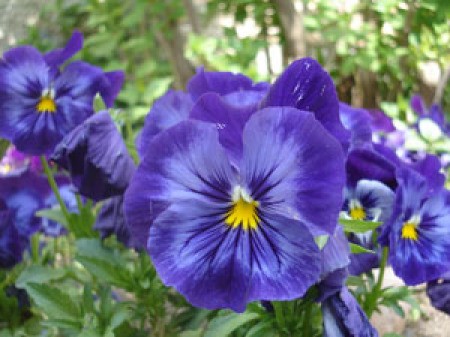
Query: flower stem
point(376, 291)
point(54, 187)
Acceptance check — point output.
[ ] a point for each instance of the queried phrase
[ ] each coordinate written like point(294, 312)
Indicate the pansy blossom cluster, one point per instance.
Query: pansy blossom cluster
point(237, 185)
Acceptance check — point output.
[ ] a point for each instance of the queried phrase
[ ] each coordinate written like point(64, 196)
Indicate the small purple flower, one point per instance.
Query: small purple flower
point(225, 230)
point(370, 200)
point(40, 102)
point(343, 317)
point(418, 232)
point(96, 157)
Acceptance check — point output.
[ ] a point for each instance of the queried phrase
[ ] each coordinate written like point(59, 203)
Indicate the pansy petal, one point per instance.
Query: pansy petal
point(380, 121)
point(335, 253)
point(24, 194)
point(229, 120)
point(357, 121)
point(168, 110)
point(438, 292)
point(197, 253)
point(244, 98)
point(57, 57)
point(363, 163)
point(10, 247)
point(220, 82)
point(343, 317)
point(430, 167)
point(418, 105)
point(183, 162)
point(23, 76)
point(96, 157)
point(295, 150)
point(111, 220)
point(285, 259)
point(111, 86)
point(306, 86)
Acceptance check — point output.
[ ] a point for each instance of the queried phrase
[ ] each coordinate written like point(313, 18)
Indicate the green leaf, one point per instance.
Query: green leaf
point(357, 249)
point(54, 214)
point(3, 146)
point(93, 248)
point(192, 333)
point(53, 302)
point(105, 271)
point(321, 241)
point(262, 329)
point(358, 226)
point(39, 275)
point(223, 326)
point(120, 316)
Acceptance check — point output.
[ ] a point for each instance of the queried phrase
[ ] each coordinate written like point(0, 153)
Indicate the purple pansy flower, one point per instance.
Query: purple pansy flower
point(225, 230)
point(343, 317)
point(40, 102)
point(370, 200)
point(96, 157)
point(418, 232)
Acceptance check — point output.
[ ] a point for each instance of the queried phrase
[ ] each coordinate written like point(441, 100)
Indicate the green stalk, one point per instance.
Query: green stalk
point(376, 291)
point(54, 187)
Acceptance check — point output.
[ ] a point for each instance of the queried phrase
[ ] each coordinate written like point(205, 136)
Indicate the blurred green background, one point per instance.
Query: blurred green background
point(376, 51)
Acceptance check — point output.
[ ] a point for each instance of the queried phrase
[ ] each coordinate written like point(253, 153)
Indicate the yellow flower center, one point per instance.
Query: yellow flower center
point(357, 213)
point(409, 229)
point(243, 211)
point(46, 104)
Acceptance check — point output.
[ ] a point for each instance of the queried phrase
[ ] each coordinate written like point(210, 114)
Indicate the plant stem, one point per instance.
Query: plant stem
point(375, 294)
point(54, 187)
point(35, 248)
point(307, 320)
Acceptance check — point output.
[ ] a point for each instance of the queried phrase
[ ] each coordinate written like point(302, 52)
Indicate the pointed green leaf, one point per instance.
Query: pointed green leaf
point(223, 326)
point(357, 249)
point(38, 274)
point(358, 226)
point(53, 302)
